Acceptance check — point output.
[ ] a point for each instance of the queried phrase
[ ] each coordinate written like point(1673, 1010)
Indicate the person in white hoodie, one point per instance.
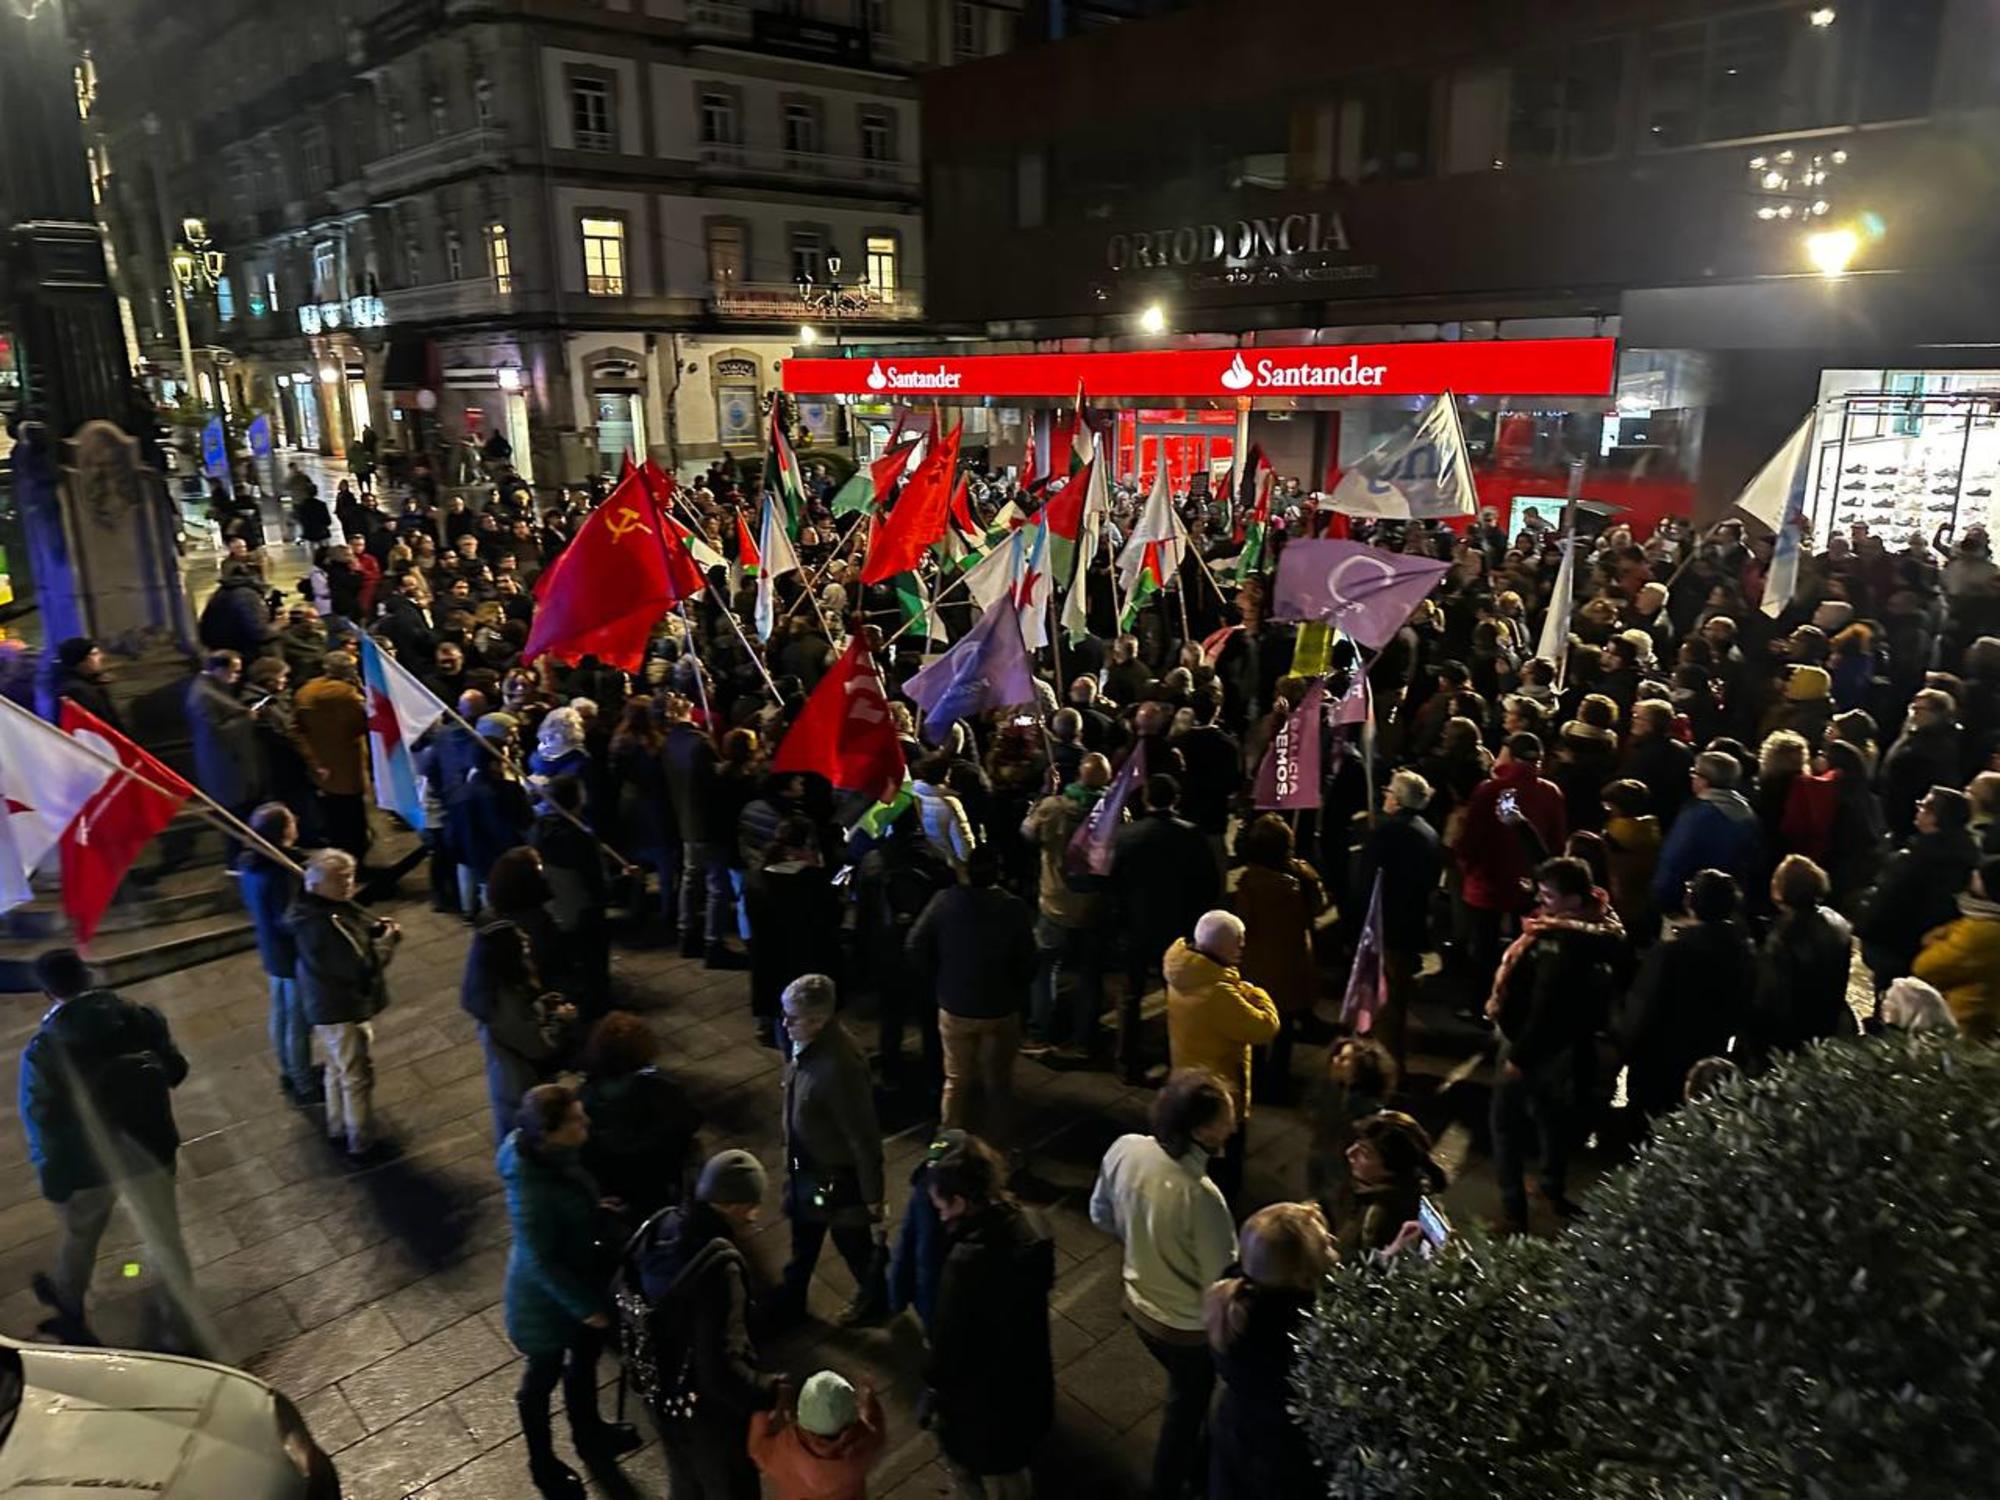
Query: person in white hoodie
point(1153, 1192)
point(945, 823)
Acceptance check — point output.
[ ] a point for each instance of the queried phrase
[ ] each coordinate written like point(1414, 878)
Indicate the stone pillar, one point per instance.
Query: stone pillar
point(100, 525)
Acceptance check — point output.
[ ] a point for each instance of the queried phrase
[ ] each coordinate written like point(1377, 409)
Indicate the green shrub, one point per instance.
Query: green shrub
point(1795, 1291)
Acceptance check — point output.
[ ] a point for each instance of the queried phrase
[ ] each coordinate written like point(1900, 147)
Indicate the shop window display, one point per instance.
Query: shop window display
point(1905, 451)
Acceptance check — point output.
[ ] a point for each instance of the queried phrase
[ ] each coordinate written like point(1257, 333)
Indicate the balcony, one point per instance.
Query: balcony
point(483, 148)
point(445, 301)
point(716, 159)
point(740, 23)
point(778, 302)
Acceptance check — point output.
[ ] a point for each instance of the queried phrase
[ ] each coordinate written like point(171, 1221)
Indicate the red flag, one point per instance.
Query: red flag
point(1065, 507)
point(961, 513)
point(886, 470)
point(747, 556)
point(918, 518)
point(118, 821)
point(844, 732)
point(607, 589)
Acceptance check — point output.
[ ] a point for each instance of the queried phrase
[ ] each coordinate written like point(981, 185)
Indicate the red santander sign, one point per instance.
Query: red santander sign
point(1520, 367)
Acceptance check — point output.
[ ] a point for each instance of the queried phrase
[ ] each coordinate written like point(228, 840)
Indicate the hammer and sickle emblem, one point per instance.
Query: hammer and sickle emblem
point(625, 521)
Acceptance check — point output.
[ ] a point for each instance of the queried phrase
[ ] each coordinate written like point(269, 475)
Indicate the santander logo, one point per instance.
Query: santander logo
point(1326, 374)
point(894, 379)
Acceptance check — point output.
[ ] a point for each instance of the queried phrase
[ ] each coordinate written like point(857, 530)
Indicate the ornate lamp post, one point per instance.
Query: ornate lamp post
point(834, 299)
point(195, 267)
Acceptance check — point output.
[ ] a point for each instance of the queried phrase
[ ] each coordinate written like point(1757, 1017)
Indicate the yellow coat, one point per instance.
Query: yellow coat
point(1214, 1017)
point(1962, 961)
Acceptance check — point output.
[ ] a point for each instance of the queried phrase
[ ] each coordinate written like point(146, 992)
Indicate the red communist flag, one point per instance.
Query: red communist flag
point(118, 821)
point(607, 589)
point(919, 515)
point(844, 732)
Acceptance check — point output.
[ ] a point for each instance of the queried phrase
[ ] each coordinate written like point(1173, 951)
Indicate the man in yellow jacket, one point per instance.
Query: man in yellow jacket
point(1214, 1017)
point(1962, 958)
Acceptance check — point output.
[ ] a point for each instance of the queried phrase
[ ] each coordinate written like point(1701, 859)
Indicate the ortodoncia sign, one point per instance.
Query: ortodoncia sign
point(1516, 367)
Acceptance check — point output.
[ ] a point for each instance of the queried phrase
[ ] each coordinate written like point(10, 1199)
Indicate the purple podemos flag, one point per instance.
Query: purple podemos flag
point(1366, 592)
point(987, 669)
point(1367, 981)
point(1089, 851)
point(1289, 776)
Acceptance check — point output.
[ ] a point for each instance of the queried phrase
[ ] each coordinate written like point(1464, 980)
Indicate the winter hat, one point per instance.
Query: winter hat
point(1808, 685)
point(496, 726)
point(733, 1176)
point(72, 651)
point(827, 1405)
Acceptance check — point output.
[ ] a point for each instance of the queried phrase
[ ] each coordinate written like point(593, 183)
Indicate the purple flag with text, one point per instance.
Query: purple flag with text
point(1367, 981)
point(1366, 592)
point(1289, 776)
point(1089, 851)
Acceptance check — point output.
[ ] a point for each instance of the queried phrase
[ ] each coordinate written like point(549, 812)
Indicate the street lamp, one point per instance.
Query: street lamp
point(195, 266)
point(832, 298)
point(1153, 319)
point(1831, 250)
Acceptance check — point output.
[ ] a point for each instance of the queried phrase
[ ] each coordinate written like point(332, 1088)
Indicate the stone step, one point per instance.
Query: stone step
point(197, 890)
point(141, 953)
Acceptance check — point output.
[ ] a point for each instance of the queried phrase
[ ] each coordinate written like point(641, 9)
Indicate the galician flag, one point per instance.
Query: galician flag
point(1554, 643)
point(1420, 473)
point(1154, 551)
point(400, 709)
point(1017, 568)
point(776, 558)
point(1778, 497)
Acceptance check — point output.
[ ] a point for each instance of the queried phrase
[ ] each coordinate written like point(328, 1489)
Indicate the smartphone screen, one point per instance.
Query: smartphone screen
point(1508, 803)
point(1436, 1227)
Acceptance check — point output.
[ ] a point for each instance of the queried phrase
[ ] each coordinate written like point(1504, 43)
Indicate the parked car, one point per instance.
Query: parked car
point(91, 1422)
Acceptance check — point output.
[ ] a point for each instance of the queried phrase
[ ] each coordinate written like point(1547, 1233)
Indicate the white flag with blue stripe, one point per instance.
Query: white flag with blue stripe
point(400, 710)
point(1777, 497)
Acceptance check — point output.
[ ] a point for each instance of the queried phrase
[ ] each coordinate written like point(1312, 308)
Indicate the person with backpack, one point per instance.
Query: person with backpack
point(684, 1299)
point(96, 1100)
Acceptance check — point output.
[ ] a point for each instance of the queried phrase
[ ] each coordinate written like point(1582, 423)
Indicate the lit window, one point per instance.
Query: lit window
point(801, 128)
point(499, 259)
point(225, 299)
point(590, 114)
point(728, 253)
point(604, 257)
point(271, 291)
point(718, 120)
point(882, 265)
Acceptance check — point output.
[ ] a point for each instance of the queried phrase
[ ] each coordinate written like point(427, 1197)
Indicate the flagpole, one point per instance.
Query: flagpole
point(812, 586)
point(728, 613)
point(1571, 506)
point(211, 810)
point(515, 766)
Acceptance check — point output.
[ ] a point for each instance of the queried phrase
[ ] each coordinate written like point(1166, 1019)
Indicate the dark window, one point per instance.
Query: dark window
point(1396, 129)
point(1535, 110)
point(1673, 84)
point(1592, 89)
point(1745, 86)
point(1900, 64)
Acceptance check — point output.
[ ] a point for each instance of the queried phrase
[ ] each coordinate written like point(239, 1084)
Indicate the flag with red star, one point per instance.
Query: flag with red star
point(400, 710)
point(131, 805)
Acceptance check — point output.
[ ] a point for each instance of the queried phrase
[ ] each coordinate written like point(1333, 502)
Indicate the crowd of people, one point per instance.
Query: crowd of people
point(1649, 860)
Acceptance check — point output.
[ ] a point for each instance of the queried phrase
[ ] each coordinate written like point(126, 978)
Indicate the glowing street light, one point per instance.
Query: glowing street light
point(808, 334)
point(1153, 319)
point(510, 378)
point(1831, 250)
point(1822, 17)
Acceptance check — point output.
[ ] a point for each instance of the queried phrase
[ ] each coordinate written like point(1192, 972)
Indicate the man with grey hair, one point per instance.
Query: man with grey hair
point(834, 1176)
point(1214, 1018)
point(342, 953)
point(1402, 851)
point(1718, 830)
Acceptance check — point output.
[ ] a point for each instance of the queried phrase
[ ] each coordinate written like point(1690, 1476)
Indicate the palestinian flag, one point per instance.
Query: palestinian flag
point(915, 601)
point(747, 556)
point(1256, 514)
point(1150, 580)
point(854, 497)
point(1154, 551)
point(781, 475)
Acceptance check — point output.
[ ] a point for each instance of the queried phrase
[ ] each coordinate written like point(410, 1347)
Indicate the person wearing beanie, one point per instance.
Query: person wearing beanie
point(703, 1380)
point(1806, 706)
point(824, 1447)
point(77, 672)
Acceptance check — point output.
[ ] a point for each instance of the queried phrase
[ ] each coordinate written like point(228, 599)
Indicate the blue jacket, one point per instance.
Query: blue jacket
point(268, 888)
point(552, 1278)
point(1717, 831)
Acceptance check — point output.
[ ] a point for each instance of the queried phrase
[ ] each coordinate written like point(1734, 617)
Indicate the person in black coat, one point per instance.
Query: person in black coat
point(642, 1127)
point(1693, 994)
point(1802, 965)
point(1404, 850)
point(896, 875)
point(580, 888)
point(227, 763)
point(1925, 755)
point(1653, 756)
point(235, 617)
point(990, 1375)
point(78, 674)
point(490, 816)
point(1256, 1450)
point(795, 921)
point(1163, 877)
point(708, 899)
point(1919, 887)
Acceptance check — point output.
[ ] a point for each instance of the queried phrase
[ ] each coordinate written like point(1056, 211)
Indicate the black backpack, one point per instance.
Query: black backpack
point(656, 1335)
